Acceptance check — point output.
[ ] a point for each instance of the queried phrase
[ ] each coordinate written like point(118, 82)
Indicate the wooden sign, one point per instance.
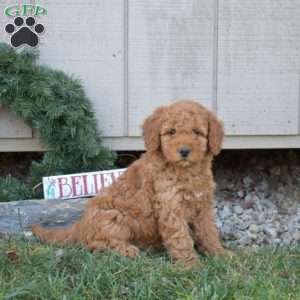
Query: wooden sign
point(78, 185)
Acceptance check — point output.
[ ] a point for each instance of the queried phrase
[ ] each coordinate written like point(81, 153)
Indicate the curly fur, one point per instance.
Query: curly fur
point(162, 198)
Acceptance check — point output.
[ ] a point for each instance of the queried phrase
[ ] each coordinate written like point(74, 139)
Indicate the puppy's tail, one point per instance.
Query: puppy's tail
point(61, 235)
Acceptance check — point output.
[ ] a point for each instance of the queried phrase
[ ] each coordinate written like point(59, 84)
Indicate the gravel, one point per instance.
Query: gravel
point(258, 197)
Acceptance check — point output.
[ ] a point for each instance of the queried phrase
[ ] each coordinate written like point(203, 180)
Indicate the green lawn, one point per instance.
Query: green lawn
point(35, 271)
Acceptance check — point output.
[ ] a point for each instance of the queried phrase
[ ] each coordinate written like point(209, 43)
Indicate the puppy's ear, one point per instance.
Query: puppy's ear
point(151, 129)
point(215, 134)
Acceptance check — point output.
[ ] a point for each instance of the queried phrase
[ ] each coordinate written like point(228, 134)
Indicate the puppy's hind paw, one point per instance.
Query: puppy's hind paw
point(229, 254)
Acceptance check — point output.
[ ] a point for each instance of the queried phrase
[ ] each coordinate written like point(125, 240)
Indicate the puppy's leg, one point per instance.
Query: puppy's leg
point(123, 248)
point(206, 233)
point(176, 238)
point(112, 232)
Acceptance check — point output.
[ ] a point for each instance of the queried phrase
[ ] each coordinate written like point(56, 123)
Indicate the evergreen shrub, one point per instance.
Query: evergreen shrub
point(56, 105)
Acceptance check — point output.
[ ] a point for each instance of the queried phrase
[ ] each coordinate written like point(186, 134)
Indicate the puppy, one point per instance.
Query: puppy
point(165, 197)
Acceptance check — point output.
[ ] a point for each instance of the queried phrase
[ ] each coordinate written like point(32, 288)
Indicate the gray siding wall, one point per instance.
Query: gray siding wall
point(239, 58)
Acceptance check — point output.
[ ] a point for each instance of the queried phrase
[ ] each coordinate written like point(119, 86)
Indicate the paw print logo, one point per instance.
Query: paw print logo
point(22, 34)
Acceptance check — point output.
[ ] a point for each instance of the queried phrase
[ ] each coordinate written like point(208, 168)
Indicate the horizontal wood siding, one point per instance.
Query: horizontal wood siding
point(12, 126)
point(170, 55)
point(259, 66)
point(86, 38)
point(239, 58)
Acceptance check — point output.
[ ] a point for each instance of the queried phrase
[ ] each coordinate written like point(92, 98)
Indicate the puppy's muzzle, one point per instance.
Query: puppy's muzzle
point(184, 151)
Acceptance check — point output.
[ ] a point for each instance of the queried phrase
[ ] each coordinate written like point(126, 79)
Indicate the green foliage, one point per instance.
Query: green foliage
point(56, 105)
point(48, 272)
point(12, 188)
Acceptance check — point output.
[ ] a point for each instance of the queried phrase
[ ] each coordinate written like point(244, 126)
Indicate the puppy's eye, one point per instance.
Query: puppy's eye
point(197, 132)
point(171, 131)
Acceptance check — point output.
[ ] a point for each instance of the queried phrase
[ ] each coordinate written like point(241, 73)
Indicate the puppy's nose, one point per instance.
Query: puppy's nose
point(184, 151)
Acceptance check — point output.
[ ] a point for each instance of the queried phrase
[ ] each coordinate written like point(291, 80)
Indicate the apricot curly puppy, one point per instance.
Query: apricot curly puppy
point(165, 197)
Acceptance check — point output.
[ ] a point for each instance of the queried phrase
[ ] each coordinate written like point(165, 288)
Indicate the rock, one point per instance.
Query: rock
point(253, 228)
point(225, 212)
point(247, 180)
point(258, 218)
point(283, 228)
point(240, 193)
point(28, 234)
point(296, 236)
point(258, 206)
point(59, 253)
point(243, 224)
point(249, 197)
point(286, 238)
point(18, 216)
point(245, 240)
point(267, 204)
point(270, 232)
point(229, 232)
point(248, 204)
point(262, 187)
point(238, 210)
point(276, 241)
point(275, 170)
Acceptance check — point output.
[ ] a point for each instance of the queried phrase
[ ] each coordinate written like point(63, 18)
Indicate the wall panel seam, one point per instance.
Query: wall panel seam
point(215, 56)
point(298, 103)
point(126, 73)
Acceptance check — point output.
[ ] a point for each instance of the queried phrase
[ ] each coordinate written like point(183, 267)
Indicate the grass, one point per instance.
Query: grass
point(30, 270)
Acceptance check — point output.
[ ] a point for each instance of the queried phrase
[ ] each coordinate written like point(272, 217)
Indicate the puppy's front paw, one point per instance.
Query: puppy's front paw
point(130, 251)
point(195, 263)
point(189, 264)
